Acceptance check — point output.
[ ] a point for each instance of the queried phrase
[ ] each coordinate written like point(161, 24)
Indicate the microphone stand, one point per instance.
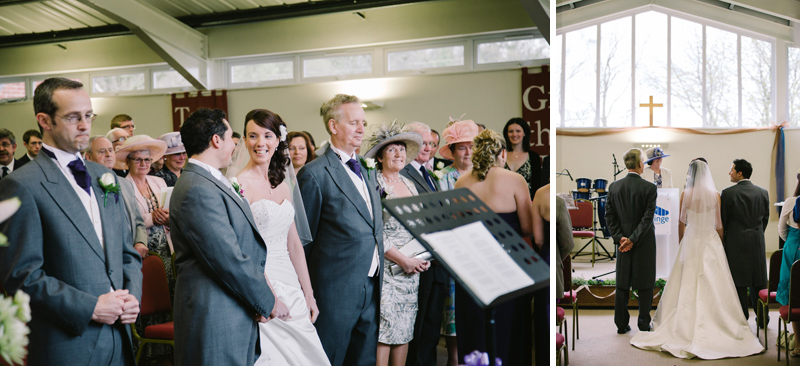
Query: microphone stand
point(616, 170)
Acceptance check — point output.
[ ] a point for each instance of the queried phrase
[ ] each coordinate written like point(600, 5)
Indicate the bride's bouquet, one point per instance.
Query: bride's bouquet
point(15, 311)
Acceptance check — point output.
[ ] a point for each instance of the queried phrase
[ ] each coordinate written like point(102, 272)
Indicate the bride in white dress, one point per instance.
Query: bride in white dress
point(289, 337)
point(699, 314)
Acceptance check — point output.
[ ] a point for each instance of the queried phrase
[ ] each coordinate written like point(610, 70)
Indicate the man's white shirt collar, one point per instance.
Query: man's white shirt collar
point(214, 171)
point(342, 155)
point(62, 157)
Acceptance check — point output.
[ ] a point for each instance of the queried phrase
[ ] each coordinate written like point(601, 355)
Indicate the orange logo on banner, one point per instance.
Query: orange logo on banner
point(183, 104)
point(536, 108)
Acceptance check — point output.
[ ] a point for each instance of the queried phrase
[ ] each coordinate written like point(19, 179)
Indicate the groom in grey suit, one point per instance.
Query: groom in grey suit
point(70, 246)
point(345, 259)
point(745, 215)
point(629, 214)
point(220, 291)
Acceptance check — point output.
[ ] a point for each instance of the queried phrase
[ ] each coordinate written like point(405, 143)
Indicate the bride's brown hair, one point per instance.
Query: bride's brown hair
point(280, 160)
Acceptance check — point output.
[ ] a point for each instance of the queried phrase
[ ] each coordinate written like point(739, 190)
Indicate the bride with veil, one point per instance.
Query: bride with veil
point(699, 314)
point(264, 176)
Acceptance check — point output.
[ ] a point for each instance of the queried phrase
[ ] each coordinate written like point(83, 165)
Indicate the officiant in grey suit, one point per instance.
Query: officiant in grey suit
point(220, 290)
point(345, 259)
point(629, 215)
point(70, 244)
point(745, 214)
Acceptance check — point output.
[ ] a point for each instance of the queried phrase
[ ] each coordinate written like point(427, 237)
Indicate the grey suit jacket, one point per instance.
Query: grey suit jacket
point(630, 208)
point(745, 214)
point(55, 257)
point(422, 187)
point(134, 216)
point(220, 258)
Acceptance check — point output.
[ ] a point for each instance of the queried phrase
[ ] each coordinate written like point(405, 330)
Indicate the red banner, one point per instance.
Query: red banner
point(536, 107)
point(183, 104)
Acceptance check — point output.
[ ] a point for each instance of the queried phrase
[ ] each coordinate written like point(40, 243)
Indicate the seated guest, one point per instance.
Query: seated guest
point(301, 150)
point(393, 148)
point(506, 193)
point(124, 122)
point(117, 137)
point(8, 144)
point(521, 158)
point(174, 158)
point(100, 151)
point(138, 152)
point(33, 142)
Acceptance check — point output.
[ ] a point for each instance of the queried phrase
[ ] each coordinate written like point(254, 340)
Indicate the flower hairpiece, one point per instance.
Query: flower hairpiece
point(283, 132)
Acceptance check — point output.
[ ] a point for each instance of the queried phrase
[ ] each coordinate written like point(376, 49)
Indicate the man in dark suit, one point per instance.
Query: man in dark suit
point(220, 291)
point(70, 249)
point(345, 260)
point(629, 215)
point(32, 140)
point(433, 284)
point(745, 214)
point(8, 145)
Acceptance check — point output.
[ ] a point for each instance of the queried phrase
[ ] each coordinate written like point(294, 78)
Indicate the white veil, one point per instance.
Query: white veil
point(240, 159)
point(700, 195)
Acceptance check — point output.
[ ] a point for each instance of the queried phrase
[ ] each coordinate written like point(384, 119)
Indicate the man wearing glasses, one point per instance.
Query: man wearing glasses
point(124, 122)
point(8, 145)
point(70, 242)
point(32, 140)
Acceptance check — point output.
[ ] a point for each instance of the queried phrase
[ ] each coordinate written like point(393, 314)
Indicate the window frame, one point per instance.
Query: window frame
point(230, 64)
point(428, 70)
point(322, 55)
point(511, 36)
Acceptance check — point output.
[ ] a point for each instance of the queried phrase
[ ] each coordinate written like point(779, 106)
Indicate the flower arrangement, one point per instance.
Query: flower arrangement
point(109, 184)
point(15, 311)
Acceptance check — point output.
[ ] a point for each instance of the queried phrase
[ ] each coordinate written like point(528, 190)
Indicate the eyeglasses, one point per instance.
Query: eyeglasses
point(73, 119)
point(139, 161)
point(121, 139)
point(6, 145)
point(132, 127)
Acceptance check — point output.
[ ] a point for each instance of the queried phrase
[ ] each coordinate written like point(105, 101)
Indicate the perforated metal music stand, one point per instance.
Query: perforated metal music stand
point(434, 212)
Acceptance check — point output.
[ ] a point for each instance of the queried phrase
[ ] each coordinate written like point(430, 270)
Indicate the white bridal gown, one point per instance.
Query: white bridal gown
point(699, 314)
point(295, 341)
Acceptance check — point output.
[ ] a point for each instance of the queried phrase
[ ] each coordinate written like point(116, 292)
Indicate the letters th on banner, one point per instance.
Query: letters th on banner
point(183, 104)
point(536, 107)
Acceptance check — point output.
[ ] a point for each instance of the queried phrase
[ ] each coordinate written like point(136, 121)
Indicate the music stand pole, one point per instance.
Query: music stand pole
point(491, 344)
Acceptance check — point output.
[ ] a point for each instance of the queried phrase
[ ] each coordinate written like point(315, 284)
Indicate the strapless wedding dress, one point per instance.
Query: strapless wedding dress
point(295, 341)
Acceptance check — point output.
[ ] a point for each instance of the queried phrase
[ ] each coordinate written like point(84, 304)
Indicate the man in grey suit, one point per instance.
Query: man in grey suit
point(101, 152)
point(70, 248)
point(345, 260)
point(630, 208)
point(220, 290)
point(745, 214)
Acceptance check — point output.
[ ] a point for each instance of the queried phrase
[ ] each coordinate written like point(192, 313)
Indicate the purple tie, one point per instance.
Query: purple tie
point(355, 167)
point(81, 175)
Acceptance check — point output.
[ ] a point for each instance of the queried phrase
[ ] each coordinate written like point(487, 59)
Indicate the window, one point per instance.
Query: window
point(12, 90)
point(263, 71)
point(426, 58)
point(704, 75)
point(337, 65)
point(166, 79)
point(513, 50)
point(794, 86)
point(118, 83)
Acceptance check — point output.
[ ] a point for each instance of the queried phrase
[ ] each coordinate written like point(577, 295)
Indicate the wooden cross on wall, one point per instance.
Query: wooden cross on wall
point(651, 105)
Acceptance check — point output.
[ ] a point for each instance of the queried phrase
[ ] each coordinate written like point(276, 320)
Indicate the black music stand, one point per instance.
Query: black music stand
point(434, 212)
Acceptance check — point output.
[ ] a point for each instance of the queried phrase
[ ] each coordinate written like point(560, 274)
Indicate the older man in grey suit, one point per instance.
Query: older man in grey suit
point(220, 291)
point(345, 260)
point(629, 215)
point(70, 245)
point(745, 215)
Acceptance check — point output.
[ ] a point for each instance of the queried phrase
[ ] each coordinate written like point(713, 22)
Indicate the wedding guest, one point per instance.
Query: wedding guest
point(541, 298)
point(100, 151)
point(506, 193)
point(139, 152)
point(8, 144)
point(564, 242)
point(458, 138)
point(124, 122)
point(117, 136)
point(236, 137)
point(301, 150)
point(788, 231)
point(521, 158)
point(654, 172)
point(32, 140)
point(393, 148)
point(174, 158)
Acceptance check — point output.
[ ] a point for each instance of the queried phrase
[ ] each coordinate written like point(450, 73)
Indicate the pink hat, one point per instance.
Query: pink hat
point(459, 131)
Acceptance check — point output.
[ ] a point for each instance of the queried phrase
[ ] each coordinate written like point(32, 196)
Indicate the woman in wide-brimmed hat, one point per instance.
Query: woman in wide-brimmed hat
point(393, 148)
point(138, 152)
point(174, 158)
point(654, 172)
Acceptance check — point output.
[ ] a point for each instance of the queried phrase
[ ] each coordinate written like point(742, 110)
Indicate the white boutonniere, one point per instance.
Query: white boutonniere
point(440, 165)
point(237, 187)
point(109, 185)
point(368, 164)
point(438, 174)
point(283, 132)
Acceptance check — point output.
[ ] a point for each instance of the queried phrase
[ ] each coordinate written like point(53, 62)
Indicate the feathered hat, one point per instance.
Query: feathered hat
point(393, 132)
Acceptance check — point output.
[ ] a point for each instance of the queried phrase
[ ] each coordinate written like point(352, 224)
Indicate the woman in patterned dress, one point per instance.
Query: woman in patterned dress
point(521, 158)
point(393, 148)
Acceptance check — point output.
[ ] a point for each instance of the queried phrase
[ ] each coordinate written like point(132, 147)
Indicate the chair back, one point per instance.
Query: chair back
point(155, 291)
point(582, 217)
point(775, 270)
point(567, 272)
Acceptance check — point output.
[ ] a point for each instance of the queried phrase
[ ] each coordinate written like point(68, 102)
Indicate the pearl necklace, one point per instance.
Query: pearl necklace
point(398, 180)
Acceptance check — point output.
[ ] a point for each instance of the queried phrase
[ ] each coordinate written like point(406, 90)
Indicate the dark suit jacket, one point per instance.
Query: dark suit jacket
point(422, 187)
point(55, 257)
point(220, 258)
point(630, 208)
point(21, 161)
point(745, 214)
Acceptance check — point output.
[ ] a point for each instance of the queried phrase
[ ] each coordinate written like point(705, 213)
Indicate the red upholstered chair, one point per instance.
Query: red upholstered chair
point(582, 220)
point(561, 346)
point(570, 299)
point(766, 297)
point(562, 331)
point(790, 313)
point(155, 299)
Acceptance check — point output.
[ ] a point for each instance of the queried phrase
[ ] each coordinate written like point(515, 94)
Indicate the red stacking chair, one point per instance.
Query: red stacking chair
point(155, 299)
point(790, 313)
point(766, 297)
point(582, 223)
point(570, 299)
point(562, 331)
point(559, 347)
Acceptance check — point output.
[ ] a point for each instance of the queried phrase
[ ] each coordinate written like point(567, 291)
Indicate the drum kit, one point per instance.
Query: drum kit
point(584, 193)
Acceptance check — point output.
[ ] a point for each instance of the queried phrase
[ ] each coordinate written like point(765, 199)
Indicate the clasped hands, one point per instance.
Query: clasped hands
point(161, 216)
point(625, 244)
point(415, 265)
point(115, 305)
